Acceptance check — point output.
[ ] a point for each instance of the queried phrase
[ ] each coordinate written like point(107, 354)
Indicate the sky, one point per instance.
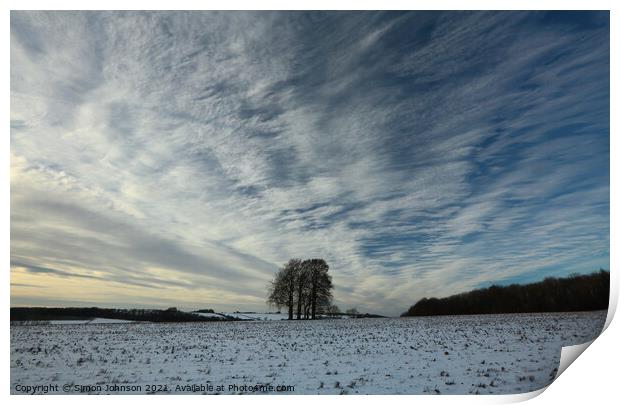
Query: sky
point(180, 158)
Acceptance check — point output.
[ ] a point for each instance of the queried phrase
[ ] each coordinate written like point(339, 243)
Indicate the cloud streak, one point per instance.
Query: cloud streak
point(419, 153)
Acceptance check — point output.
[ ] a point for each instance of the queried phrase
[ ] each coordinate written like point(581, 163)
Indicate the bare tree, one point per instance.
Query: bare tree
point(300, 288)
point(320, 283)
point(332, 310)
point(304, 284)
point(282, 288)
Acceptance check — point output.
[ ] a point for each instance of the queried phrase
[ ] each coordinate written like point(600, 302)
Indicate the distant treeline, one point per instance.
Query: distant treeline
point(574, 293)
point(150, 315)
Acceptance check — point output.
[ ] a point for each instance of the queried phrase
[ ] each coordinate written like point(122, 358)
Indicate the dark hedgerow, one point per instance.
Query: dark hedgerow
point(149, 315)
point(575, 293)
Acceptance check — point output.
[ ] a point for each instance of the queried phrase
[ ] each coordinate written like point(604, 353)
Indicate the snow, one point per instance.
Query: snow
point(251, 316)
point(108, 320)
point(266, 316)
point(91, 321)
point(210, 315)
point(245, 316)
point(484, 354)
point(74, 321)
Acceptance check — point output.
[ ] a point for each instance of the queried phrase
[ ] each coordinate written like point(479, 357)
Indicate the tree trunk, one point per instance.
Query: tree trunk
point(290, 305)
point(313, 298)
point(300, 299)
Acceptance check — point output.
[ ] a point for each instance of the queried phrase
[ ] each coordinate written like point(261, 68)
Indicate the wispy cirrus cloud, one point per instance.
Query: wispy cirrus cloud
point(180, 157)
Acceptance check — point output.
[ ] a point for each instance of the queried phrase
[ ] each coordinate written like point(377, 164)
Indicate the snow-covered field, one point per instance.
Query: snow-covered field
point(90, 321)
point(245, 316)
point(485, 354)
point(257, 316)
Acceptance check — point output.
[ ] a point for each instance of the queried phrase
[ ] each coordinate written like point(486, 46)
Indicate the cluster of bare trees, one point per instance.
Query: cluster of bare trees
point(302, 286)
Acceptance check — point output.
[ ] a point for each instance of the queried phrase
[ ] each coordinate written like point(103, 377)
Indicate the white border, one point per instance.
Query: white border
point(310, 5)
point(591, 379)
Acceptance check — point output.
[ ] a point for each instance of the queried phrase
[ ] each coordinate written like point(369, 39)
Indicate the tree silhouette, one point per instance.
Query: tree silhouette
point(282, 288)
point(320, 283)
point(305, 285)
